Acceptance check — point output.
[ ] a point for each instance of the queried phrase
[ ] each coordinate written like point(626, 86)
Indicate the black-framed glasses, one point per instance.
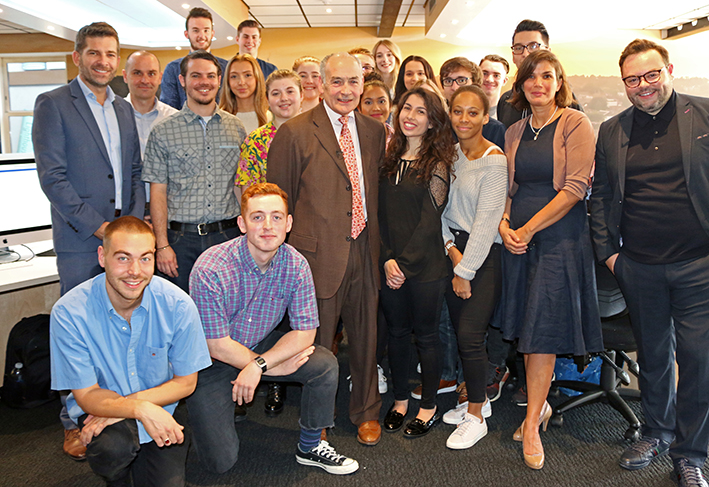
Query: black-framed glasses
point(531, 47)
point(460, 81)
point(650, 77)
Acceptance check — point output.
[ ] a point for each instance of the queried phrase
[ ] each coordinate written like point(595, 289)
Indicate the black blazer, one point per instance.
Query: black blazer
point(609, 181)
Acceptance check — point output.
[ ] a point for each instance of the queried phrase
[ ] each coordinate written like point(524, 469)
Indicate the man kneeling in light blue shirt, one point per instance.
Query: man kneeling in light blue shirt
point(128, 346)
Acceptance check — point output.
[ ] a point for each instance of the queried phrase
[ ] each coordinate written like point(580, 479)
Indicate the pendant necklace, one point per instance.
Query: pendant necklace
point(536, 132)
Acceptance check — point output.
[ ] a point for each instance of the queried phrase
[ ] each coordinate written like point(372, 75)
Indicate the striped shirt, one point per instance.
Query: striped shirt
point(236, 299)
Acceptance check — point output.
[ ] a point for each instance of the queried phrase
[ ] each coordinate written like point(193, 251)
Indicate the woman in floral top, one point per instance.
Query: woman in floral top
point(285, 95)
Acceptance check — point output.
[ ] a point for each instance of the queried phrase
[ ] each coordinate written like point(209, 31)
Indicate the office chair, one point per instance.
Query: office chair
point(617, 340)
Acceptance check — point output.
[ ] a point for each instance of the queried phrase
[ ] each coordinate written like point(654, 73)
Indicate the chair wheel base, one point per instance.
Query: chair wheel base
point(557, 420)
point(632, 434)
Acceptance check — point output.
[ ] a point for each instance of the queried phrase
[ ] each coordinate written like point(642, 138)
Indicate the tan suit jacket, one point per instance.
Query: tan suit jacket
point(306, 161)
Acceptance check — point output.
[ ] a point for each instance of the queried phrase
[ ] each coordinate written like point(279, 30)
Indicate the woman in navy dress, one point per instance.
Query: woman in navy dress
point(549, 300)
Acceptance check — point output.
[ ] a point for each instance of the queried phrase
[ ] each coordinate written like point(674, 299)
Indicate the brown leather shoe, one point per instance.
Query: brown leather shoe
point(369, 433)
point(73, 446)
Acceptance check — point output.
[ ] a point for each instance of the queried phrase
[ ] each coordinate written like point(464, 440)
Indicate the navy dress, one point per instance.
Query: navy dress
point(549, 300)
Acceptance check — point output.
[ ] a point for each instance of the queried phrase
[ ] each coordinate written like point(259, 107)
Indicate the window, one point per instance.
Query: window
point(21, 81)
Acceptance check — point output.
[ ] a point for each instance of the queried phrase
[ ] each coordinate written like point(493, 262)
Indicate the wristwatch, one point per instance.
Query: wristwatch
point(261, 363)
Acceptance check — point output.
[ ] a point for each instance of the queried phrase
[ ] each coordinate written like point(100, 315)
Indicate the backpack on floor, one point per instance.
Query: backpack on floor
point(28, 344)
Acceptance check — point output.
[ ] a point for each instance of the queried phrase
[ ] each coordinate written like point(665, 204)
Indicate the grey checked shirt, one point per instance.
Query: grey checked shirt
point(197, 161)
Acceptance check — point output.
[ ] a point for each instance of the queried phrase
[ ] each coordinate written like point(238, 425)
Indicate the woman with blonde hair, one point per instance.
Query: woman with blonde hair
point(308, 68)
point(387, 57)
point(244, 93)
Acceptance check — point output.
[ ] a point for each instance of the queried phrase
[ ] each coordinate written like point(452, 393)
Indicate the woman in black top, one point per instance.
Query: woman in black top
point(413, 193)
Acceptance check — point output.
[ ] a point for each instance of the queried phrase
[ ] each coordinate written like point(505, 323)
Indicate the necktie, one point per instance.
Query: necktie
point(347, 146)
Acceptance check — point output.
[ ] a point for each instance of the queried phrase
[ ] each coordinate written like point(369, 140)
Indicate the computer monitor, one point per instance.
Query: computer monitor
point(26, 215)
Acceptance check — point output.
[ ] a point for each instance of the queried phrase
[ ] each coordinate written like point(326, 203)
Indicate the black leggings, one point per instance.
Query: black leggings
point(471, 317)
point(415, 306)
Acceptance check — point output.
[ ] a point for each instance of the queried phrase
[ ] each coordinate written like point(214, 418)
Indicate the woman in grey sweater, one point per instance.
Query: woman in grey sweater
point(470, 222)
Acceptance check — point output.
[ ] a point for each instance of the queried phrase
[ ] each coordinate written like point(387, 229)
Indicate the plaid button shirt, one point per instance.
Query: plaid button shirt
point(236, 299)
point(197, 161)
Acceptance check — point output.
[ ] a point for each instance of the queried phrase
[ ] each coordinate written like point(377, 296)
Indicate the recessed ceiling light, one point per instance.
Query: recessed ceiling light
point(178, 48)
point(679, 27)
point(229, 38)
point(694, 23)
point(442, 36)
point(469, 3)
point(328, 10)
point(185, 6)
point(50, 27)
point(454, 21)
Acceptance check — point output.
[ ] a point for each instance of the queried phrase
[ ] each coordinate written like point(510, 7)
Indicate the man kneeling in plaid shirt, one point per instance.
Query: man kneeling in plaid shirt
point(242, 289)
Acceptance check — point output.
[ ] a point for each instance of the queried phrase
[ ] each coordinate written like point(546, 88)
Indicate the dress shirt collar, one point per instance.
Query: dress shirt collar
point(191, 116)
point(335, 117)
point(98, 289)
point(245, 256)
point(137, 113)
point(110, 96)
point(641, 118)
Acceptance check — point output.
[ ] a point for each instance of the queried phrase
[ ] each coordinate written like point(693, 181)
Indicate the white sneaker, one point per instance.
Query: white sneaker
point(382, 380)
point(458, 413)
point(469, 431)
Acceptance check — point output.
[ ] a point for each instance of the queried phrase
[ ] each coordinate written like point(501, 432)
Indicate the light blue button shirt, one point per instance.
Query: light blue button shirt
point(107, 121)
point(92, 344)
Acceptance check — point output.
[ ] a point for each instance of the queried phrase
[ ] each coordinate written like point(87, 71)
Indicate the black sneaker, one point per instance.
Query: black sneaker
point(520, 396)
point(496, 381)
point(325, 457)
point(640, 454)
point(687, 475)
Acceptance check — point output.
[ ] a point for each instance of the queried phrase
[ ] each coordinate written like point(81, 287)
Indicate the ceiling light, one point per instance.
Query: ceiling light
point(454, 21)
point(185, 6)
point(328, 10)
point(442, 36)
point(694, 23)
point(229, 38)
point(679, 27)
point(469, 3)
point(178, 48)
point(50, 27)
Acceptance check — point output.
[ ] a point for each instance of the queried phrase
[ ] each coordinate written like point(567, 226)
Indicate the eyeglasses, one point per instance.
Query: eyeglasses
point(531, 47)
point(650, 77)
point(461, 81)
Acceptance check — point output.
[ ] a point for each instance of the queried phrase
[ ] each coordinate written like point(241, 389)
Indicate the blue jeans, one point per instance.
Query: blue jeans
point(452, 367)
point(116, 455)
point(188, 247)
point(211, 406)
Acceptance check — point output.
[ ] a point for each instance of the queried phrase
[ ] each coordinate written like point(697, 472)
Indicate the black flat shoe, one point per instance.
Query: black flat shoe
point(417, 427)
point(393, 421)
point(276, 399)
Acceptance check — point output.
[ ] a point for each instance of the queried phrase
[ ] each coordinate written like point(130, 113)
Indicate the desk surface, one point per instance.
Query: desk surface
point(39, 270)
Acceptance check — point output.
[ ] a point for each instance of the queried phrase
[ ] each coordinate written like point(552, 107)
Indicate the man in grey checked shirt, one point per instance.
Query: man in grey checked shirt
point(190, 162)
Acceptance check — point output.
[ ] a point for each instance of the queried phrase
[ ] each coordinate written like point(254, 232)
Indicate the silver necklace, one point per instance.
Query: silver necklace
point(536, 132)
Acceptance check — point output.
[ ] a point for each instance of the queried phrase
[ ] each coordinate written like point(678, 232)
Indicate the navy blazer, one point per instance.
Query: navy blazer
point(611, 154)
point(74, 168)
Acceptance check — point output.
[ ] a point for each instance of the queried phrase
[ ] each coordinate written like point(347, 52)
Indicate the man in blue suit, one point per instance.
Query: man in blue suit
point(650, 226)
point(88, 159)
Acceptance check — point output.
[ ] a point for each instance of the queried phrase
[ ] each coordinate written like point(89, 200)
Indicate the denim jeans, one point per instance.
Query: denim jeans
point(452, 366)
point(211, 406)
point(188, 247)
point(117, 454)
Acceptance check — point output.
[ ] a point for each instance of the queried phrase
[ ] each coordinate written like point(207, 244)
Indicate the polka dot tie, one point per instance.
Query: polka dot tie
point(347, 146)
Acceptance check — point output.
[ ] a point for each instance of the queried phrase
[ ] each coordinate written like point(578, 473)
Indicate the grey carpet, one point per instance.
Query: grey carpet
point(583, 452)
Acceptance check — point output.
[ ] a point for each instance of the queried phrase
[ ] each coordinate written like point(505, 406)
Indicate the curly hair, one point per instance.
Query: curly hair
point(437, 146)
point(229, 102)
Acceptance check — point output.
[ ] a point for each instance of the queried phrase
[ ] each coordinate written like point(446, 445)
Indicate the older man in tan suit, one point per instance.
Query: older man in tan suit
point(327, 160)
